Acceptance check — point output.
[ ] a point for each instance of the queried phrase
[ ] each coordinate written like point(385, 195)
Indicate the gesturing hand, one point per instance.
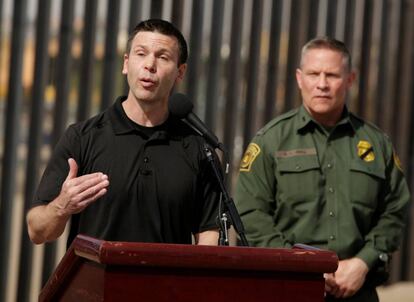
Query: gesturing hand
point(78, 192)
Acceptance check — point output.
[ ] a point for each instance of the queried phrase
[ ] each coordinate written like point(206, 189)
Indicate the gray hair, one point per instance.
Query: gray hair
point(328, 43)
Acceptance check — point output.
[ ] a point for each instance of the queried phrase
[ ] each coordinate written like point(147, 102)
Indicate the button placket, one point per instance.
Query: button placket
point(330, 189)
point(145, 170)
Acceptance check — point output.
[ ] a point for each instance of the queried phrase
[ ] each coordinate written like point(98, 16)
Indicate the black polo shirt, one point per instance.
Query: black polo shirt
point(161, 189)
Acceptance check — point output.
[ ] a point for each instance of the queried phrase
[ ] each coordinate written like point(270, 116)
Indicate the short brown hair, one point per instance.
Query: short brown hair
point(165, 28)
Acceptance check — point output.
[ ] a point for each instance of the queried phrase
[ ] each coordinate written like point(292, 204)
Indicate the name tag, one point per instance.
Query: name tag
point(295, 152)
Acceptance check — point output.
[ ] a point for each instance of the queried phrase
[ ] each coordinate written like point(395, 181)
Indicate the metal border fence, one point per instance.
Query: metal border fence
point(60, 62)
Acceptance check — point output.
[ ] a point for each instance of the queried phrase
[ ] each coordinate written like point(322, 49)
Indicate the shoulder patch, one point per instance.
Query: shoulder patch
point(249, 156)
point(397, 161)
point(365, 151)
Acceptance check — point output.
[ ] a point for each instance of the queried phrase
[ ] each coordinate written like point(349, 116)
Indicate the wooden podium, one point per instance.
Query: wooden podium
point(96, 270)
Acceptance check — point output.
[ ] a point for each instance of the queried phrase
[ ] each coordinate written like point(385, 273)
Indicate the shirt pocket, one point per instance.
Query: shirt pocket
point(298, 180)
point(366, 181)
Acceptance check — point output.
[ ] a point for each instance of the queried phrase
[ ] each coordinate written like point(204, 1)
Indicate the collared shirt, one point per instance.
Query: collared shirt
point(161, 187)
point(340, 189)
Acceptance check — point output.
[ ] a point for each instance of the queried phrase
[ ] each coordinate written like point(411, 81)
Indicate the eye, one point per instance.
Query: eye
point(139, 52)
point(164, 58)
point(333, 75)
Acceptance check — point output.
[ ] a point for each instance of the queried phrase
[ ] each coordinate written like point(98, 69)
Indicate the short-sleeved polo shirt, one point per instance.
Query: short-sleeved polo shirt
point(161, 189)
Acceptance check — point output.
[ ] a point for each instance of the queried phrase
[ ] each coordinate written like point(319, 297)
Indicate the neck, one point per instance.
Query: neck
point(147, 114)
point(328, 122)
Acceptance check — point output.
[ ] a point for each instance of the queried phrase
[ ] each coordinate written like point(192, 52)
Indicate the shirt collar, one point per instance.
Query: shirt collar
point(307, 122)
point(119, 120)
point(121, 124)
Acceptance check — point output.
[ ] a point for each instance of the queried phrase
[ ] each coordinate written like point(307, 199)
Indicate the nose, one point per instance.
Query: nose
point(322, 82)
point(150, 64)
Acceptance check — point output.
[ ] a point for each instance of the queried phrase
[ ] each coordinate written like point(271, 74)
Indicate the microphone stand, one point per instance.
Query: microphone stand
point(228, 204)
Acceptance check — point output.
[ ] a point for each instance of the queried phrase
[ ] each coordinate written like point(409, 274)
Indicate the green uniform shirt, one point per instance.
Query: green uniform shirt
point(340, 189)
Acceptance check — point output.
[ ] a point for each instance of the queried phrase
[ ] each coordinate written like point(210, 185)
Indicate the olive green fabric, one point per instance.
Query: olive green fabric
point(302, 183)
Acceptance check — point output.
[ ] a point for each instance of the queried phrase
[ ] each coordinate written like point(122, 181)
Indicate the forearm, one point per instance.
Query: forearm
point(256, 214)
point(386, 235)
point(207, 238)
point(46, 223)
point(261, 231)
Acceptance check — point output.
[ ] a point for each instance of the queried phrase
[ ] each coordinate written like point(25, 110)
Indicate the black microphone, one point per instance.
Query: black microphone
point(181, 107)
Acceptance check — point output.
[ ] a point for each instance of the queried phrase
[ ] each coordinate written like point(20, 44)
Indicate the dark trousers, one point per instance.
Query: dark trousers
point(365, 294)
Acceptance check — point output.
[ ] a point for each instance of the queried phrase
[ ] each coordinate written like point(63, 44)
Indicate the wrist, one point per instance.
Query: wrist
point(58, 210)
point(369, 256)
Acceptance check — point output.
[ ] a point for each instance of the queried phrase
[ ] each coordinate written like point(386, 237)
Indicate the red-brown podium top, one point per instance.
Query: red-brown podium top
point(215, 257)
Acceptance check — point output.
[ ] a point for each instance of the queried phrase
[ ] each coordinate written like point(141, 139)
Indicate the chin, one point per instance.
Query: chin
point(145, 95)
point(322, 109)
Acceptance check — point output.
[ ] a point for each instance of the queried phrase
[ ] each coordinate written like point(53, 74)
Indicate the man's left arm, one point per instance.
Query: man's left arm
point(384, 237)
point(386, 234)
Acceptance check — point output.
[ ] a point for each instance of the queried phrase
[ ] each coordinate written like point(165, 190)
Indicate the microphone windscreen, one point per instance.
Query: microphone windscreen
point(179, 105)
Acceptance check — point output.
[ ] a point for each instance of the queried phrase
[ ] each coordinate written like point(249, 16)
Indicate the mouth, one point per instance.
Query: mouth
point(147, 82)
point(322, 97)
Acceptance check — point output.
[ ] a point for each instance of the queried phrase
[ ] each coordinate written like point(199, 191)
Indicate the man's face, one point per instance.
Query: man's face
point(324, 80)
point(151, 66)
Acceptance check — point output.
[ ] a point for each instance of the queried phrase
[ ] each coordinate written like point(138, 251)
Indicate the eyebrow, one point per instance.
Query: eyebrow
point(161, 50)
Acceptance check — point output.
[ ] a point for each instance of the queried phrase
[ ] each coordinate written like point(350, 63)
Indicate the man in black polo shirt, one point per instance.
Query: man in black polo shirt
point(133, 172)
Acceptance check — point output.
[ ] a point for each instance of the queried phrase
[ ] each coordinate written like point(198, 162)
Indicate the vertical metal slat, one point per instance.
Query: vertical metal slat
point(365, 58)
point(234, 71)
point(63, 64)
point(35, 142)
point(156, 8)
point(133, 19)
point(349, 23)
point(88, 60)
point(299, 19)
point(111, 59)
point(195, 49)
point(313, 20)
point(213, 76)
point(273, 61)
point(11, 142)
point(61, 103)
point(380, 93)
point(177, 13)
point(253, 73)
point(1, 30)
point(331, 20)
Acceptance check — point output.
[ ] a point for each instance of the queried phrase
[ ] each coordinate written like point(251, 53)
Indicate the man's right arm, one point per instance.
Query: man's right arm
point(47, 222)
point(255, 197)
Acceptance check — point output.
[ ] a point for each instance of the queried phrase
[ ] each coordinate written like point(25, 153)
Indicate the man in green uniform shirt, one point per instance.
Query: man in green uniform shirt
point(319, 175)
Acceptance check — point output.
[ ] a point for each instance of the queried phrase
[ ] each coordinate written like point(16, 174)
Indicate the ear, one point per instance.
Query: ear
point(299, 77)
point(181, 72)
point(351, 78)
point(125, 65)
